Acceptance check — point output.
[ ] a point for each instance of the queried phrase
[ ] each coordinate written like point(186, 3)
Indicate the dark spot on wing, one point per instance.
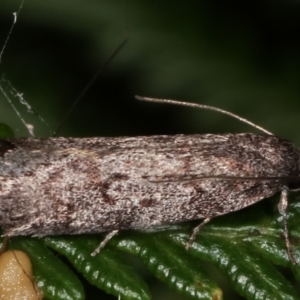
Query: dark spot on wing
point(148, 202)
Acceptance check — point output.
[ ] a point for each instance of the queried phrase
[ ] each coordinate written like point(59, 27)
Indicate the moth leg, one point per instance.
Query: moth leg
point(104, 242)
point(195, 232)
point(282, 208)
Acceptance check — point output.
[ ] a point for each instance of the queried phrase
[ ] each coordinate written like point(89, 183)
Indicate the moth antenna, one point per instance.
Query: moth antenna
point(86, 88)
point(98, 73)
point(203, 106)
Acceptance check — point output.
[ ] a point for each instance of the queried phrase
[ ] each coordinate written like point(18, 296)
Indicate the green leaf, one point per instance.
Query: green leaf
point(52, 276)
point(5, 131)
point(171, 264)
point(250, 274)
point(107, 271)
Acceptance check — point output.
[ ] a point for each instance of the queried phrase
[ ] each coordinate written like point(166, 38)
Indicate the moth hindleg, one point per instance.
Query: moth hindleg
point(104, 242)
point(195, 232)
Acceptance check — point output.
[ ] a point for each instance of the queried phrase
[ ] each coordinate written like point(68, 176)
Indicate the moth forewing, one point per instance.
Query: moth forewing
point(90, 185)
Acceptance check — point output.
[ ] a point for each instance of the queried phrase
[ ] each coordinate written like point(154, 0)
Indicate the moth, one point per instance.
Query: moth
point(90, 185)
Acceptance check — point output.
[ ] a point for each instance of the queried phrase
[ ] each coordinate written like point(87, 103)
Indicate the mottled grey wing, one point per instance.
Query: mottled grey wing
point(168, 177)
point(62, 186)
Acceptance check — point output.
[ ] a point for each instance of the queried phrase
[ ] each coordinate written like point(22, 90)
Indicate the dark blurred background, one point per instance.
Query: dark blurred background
point(242, 56)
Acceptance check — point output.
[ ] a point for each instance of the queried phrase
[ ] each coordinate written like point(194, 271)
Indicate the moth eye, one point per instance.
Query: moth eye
point(294, 183)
